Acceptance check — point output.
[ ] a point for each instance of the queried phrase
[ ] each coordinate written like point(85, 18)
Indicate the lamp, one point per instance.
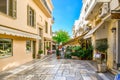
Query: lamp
point(113, 29)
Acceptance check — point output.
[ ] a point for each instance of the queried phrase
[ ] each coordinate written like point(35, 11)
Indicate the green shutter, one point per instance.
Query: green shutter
point(10, 8)
point(28, 18)
point(34, 19)
point(14, 9)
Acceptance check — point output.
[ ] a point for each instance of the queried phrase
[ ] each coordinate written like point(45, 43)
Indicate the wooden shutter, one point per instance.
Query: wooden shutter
point(28, 15)
point(14, 9)
point(34, 19)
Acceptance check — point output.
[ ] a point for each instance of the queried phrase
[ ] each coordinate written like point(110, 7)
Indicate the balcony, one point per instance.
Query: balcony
point(42, 4)
point(45, 3)
point(92, 8)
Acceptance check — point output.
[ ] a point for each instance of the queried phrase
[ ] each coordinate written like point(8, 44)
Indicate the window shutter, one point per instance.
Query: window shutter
point(10, 8)
point(34, 19)
point(28, 15)
point(14, 9)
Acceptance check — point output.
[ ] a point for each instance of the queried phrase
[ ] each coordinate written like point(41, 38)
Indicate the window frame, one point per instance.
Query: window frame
point(28, 51)
point(13, 10)
point(11, 41)
point(50, 30)
point(31, 16)
point(46, 27)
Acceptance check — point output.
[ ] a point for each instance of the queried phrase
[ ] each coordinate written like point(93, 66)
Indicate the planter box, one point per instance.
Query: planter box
point(38, 56)
point(58, 57)
point(102, 67)
point(74, 57)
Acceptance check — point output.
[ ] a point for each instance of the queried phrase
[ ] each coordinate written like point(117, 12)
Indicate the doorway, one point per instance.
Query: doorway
point(34, 49)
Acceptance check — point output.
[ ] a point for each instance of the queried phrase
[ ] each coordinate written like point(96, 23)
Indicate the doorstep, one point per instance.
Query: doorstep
point(114, 71)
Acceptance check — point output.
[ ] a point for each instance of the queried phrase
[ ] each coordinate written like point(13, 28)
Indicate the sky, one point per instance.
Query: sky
point(65, 13)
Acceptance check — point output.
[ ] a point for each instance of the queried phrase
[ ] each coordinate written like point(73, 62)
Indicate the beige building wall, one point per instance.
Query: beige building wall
point(102, 32)
point(106, 32)
point(20, 56)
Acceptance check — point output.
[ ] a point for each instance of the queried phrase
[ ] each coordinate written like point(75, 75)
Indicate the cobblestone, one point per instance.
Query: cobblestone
point(58, 69)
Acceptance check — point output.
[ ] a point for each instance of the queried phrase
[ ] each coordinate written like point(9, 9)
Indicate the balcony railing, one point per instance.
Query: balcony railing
point(92, 4)
point(45, 3)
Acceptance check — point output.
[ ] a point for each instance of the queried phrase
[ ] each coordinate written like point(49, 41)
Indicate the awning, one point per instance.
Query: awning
point(89, 34)
point(13, 32)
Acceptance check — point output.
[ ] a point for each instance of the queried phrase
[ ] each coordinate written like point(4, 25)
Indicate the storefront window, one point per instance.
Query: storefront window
point(28, 45)
point(5, 47)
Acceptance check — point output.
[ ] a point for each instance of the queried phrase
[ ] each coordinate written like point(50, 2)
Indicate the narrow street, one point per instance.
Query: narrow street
point(51, 68)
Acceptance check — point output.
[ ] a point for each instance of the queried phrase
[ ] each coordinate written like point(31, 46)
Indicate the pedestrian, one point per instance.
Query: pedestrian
point(62, 52)
point(63, 48)
point(97, 57)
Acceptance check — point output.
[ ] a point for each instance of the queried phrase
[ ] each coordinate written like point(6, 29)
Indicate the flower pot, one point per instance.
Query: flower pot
point(38, 56)
point(102, 67)
point(74, 57)
point(58, 57)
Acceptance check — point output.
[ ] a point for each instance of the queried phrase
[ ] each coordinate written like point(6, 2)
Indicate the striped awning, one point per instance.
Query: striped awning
point(13, 32)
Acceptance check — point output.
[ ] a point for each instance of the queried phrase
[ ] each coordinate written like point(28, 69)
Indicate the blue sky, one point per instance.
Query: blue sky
point(65, 13)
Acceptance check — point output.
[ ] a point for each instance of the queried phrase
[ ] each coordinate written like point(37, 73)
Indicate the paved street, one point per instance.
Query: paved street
point(57, 69)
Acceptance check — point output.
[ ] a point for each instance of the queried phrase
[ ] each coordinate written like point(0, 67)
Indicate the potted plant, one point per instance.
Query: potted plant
point(74, 55)
point(47, 47)
point(102, 48)
point(57, 53)
point(39, 54)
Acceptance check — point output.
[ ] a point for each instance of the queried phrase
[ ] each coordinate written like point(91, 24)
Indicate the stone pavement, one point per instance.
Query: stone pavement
point(51, 68)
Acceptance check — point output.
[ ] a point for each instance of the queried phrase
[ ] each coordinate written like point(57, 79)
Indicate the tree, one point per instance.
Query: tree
point(61, 36)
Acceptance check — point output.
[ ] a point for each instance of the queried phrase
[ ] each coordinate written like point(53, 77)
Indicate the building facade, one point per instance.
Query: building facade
point(104, 28)
point(25, 28)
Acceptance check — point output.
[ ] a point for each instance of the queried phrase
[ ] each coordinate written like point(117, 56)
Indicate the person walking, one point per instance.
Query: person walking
point(62, 52)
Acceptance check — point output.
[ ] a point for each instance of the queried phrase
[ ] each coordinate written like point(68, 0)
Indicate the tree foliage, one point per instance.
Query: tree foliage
point(61, 36)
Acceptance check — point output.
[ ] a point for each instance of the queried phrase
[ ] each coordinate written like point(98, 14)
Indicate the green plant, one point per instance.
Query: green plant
point(40, 52)
point(47, 47)
point(68, 56)
point(73, 54)
point(57, 52)
point(102, 46)
point(80, 53)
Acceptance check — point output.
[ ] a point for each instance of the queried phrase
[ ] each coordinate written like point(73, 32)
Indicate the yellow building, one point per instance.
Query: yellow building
point(25, 28)
point(104, 28)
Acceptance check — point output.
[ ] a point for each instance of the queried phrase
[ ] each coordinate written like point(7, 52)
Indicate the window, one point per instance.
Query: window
point(46, 27)
point(8, 7)
point(50, 30)
point(101, 40)
point(40, 32)
point(5, 47)
point(31, 17)
point(28, 46)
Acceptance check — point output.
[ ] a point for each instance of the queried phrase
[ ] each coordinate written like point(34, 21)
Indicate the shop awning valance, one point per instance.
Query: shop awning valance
point(89, 34)
point(13, 32)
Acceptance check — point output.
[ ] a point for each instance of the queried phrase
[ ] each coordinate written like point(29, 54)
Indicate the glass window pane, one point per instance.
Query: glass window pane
point(5, 47)
point(10, 7)
point(31, 17)
point(28, 45)
point(3, 6)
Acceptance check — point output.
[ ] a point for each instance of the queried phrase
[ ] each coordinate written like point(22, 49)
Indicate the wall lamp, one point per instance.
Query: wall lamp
point(113, 29)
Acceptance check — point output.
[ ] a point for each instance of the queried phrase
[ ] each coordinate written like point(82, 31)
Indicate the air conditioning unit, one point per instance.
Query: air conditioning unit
point(104, 10)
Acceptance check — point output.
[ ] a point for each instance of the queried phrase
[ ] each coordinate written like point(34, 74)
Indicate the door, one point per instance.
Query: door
point(34, 49)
